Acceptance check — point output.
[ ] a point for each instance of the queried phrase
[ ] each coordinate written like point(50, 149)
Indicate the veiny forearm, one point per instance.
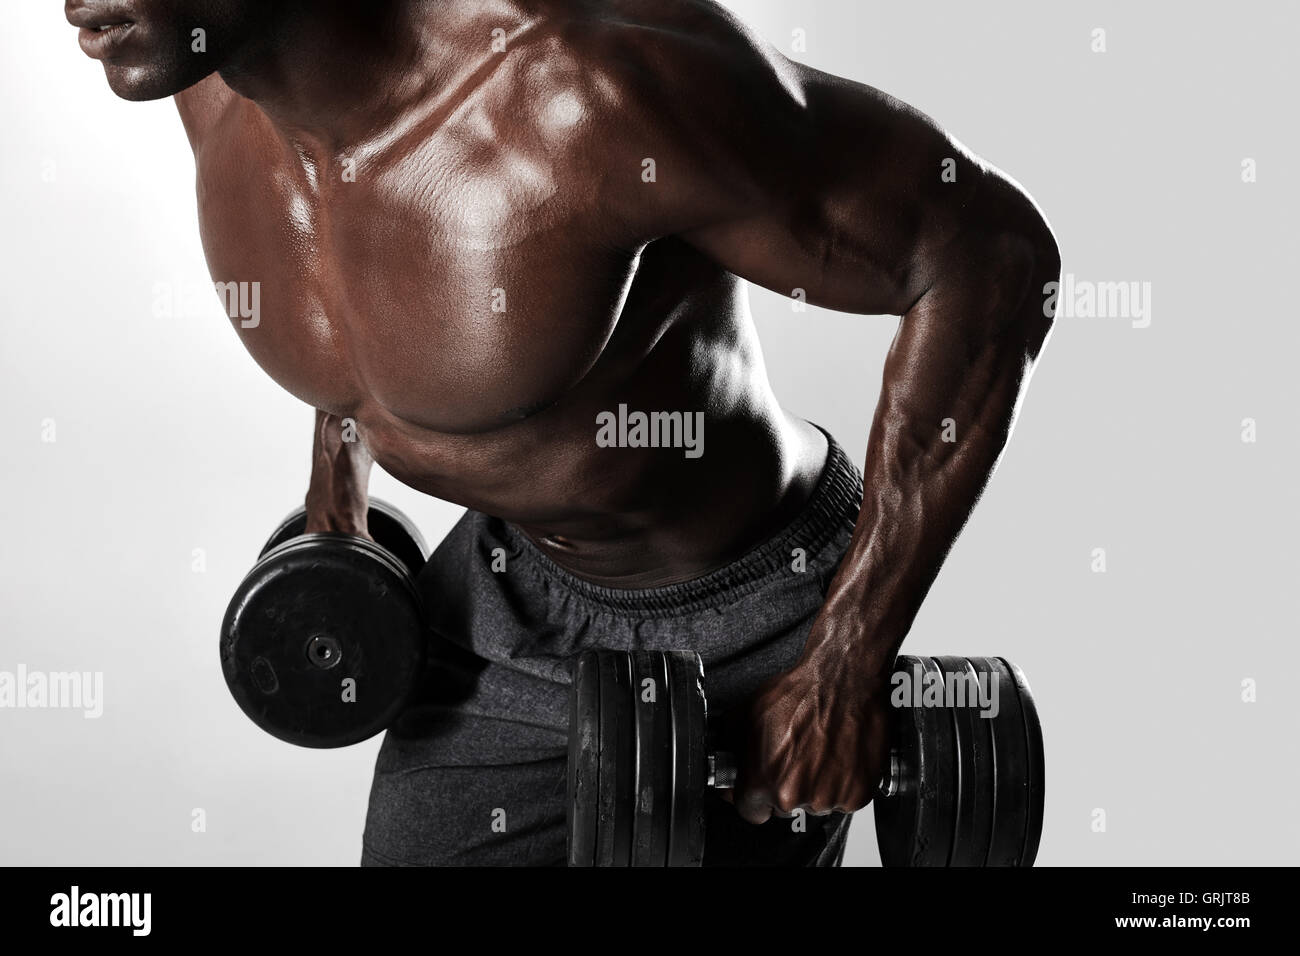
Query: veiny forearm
point(953, 380)
point(337, 498)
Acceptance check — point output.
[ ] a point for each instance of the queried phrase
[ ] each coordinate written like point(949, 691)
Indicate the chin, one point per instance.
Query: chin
point(138, 83)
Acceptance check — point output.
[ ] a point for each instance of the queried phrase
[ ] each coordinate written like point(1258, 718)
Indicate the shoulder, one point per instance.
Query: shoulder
point(684, 115)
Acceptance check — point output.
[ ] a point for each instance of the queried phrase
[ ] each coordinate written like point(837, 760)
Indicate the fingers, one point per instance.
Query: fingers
point(758, 805)
point(760, 812)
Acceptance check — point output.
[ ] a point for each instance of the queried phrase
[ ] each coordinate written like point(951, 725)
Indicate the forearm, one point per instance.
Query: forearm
point(953, 380)
point(337, 498)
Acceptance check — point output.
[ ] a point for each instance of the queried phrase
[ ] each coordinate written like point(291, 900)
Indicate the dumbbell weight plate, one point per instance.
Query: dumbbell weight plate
point(584, 760)
point(958, 769)
point(690, 762)
point(390, 528)
point(939, 777)
point(637, 769)
point(915, 825)
point(1010, 767)
point(975, 781)
point(654, 759)
point(308, 618)
point(321, 609)
point(615, 798)
point(1036, 775)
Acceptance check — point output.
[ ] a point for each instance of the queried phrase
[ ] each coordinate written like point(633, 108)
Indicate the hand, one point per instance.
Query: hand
point(818, 741)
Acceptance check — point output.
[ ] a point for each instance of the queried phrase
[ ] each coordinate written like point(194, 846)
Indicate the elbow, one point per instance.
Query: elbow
point(1033, 266)
point(1012, 271)
point(1000, 270)
point(1047, 266)
point(1034, 270)
point(1039, 309)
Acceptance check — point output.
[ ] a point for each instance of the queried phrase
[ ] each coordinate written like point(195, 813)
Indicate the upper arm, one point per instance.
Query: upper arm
point(796, 179)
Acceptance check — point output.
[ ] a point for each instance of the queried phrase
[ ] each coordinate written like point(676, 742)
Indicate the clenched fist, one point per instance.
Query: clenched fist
point(816, 741)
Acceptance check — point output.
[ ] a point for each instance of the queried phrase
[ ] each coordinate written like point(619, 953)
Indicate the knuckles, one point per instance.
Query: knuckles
point(785, 798)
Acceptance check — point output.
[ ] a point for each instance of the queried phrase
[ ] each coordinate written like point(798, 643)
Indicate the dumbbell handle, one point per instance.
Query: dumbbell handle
point(722, 772)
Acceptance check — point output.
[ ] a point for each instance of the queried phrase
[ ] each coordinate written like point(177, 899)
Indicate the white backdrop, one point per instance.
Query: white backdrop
point(173, 455)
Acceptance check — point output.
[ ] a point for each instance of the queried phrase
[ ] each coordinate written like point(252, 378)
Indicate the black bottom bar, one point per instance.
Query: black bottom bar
point(244, 906)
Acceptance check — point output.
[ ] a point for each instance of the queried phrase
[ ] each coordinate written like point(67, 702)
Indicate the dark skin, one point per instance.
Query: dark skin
point(517, 170)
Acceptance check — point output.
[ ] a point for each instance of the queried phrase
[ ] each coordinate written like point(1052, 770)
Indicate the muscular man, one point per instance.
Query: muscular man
point(483, 227)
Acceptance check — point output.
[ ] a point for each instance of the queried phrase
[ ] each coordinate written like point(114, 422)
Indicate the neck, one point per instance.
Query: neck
point(331, 73)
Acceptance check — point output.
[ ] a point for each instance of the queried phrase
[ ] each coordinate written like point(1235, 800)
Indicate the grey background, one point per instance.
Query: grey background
point(169, 439)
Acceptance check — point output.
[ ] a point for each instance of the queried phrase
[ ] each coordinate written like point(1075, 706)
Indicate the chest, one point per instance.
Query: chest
point(455, 288)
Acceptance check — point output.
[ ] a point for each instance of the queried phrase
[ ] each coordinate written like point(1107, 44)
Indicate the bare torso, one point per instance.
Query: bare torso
point(461, 287)
point(551, 203)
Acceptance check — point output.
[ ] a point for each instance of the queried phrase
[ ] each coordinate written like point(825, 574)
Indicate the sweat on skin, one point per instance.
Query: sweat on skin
point(777, 174)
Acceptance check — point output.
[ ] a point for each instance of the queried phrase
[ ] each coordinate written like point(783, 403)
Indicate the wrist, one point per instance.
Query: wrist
point(847, 644)
point(337, 498)
point(338, 509)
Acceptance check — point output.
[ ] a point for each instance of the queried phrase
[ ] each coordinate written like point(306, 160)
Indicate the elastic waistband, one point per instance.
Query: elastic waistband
point(833, 504)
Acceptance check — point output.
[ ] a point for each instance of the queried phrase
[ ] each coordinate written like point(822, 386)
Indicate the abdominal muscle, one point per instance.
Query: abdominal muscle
point(573, 478)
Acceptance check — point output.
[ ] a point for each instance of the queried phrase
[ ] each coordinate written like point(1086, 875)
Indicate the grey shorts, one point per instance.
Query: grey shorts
point(474, 772)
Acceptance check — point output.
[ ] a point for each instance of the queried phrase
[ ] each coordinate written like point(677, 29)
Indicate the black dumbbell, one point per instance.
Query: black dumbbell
point(324, 640)
point(963, 789)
